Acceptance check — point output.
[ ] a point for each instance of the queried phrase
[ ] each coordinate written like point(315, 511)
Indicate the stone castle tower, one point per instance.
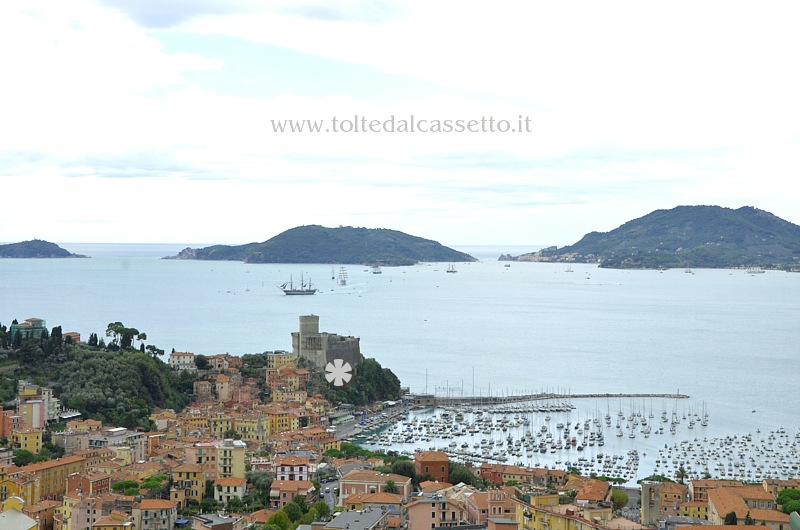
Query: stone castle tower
point(322, 348)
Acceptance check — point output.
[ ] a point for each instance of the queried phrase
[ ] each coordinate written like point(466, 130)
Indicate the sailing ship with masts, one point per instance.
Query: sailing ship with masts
point(303, 289)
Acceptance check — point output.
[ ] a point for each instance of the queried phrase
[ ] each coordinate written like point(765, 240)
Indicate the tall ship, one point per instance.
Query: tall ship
point(376, 270)
point(291, 289)
point(451, 268)
point(342, 276)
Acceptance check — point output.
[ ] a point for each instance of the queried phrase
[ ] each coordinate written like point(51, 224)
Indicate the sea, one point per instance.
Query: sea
point(728, 339)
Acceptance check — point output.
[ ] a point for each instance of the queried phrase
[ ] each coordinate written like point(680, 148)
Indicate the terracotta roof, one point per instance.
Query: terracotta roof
point(188, 468)
point(155, 504)
point(291, 461)
point(436, 456)
point(755, 493)
point(231, 481)
point(429, 486)
point(673, 488)
point(769, 515)
point(714, 483)
point(375, 498)
point(53, 463)
point(260, 517)
point(368, 475)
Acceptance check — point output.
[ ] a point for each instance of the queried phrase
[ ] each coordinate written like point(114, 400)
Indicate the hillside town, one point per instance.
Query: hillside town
point(266, 453)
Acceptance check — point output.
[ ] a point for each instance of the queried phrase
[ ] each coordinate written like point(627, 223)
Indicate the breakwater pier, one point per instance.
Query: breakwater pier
point(551, 399)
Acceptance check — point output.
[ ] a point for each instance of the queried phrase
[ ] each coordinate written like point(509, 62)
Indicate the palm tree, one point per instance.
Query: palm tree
point(390, 487)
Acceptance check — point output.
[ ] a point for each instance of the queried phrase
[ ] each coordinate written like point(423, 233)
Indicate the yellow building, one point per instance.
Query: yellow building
point(278, 359)
point(28, 439)
point(287, 395)
point(281, 420)
point(53, 474)
point(219, 424)
point(21, 485)
point(11, 515)
point(193, 422)
point(252, 428)
point(696, 509)
point(63, 516)
point(218, 459)
point(230, 459)
point(529, 517)
point(544, 500)
point(188, 483)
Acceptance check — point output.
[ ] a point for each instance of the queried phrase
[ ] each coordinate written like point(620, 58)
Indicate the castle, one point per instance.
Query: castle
point(322, 348)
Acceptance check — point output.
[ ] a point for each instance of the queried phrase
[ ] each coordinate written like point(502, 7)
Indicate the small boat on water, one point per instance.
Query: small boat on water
point(304, 288)
point(376, 270)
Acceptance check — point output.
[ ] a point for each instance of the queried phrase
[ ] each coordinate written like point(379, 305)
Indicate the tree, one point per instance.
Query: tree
point(292, 511)
point(153, 350)
point(404, 467)
point(730, 519)
point(322, 509)
point(792, 506)
point(460, 473)
point(749, 521)
point(390, 487)
point(619, 498)
point(300, 501)
point(201, 361)
point(681, 474)
point(787, 495)
point(23, 457)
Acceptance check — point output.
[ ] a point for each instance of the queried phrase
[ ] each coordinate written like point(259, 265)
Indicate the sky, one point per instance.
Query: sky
point(157, 122)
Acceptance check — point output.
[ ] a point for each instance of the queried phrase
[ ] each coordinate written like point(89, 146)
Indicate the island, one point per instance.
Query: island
point(36, 248)
point(344, 244)
point(685, 237)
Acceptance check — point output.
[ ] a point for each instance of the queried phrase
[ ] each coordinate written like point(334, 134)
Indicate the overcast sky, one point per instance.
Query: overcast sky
point(152, 121)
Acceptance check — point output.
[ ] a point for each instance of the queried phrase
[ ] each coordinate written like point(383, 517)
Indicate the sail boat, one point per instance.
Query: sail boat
point(304, 288)
point(342, 276)
point(451, 268)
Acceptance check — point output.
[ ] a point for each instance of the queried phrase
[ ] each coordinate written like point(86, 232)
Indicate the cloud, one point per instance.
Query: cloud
point(371, 11)
point(158, 14)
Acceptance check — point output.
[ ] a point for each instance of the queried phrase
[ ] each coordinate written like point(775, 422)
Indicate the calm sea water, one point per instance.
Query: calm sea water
point(728, 339)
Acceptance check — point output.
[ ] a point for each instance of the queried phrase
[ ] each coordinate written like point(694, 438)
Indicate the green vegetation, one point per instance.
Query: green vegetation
point(461, 473)
point(345, 244)
point(35, 248)
point(118, 385)
point(619, 499)
point(731, 519)
point(351, 450)
point(370, 383)
point(692, 236)
point(655, 478)
point(298, 512)
point(789, 500)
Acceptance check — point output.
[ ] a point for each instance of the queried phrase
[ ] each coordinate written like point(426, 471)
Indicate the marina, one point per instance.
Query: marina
point(673, 439)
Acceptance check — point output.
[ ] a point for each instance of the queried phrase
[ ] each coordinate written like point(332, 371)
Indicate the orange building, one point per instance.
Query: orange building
point(433, 464)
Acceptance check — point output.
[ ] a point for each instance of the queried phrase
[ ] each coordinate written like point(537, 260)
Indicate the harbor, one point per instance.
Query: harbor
point(634, 440)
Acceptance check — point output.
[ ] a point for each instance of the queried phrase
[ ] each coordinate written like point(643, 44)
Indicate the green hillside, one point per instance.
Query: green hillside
point(691, 236)
point(118, 386)
point(317, 244)
point(35, 248)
